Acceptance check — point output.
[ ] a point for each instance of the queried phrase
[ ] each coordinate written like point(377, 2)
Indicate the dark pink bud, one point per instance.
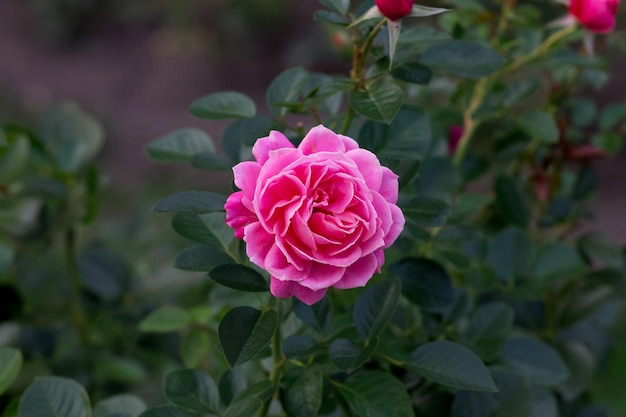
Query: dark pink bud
point(596, 15)
point(395, 9)
point(454, 136)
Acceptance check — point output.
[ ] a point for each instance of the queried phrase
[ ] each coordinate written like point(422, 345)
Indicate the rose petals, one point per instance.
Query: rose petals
point(315, 216)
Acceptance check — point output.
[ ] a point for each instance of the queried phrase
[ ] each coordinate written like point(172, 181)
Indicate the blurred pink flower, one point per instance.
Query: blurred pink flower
point(315, 216)
point(454, 136)
point(598, 16)
point(395, 9)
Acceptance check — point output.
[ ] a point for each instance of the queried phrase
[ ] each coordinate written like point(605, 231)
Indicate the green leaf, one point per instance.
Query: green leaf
point(611, 115)
point(92, 195)
point(451, 364)
point(126, 371)
point(583, 366)
point(262, 390)
point(425, 283)
point(239, 137)
point(467, 206)
point(244, 332)
point(412, 72)
point(513, 399)
point(285, 90)
point(415, 40)
point(209, 229)
point(406, 170)
point(72, 136)
point(210, 161)
point(11, 409)
point(376, 394)
point(464, 58)
point(425, 211)
point(52, 396)
point(244, 407)
point(609, 142)
point(194, 347)
point(201, 258)
point(438, 178)
point(544, 403)
point(511, 202)
point(239, 277)
point(11, 360)
point(231, 383)
point(599, 288)
point(408, 137)
point(556, 261)
point(348, 356)
point(318, 316)
point(380, 102)
point(374, 307)
point(461, 306)
point(297, 346)
point(340, 6)
point(475, 6)
point(104, 273)
point(303, 397)
point(510, 253)
point(583, 111)
point(223, 105)
point(7, 254)
point(490, 321)
point(119, 404)
point(327, 93)
point(165, 319)
point(192, 390)
point(168, 411)
point(192, 202)
point(14, 159)
point(202, 314)
point(537, 360)
point(586, 183)
point(540, 125)
point(489, 326)
point(600, 248)
point(180, 145)
point(326, 16)
point(12, 307)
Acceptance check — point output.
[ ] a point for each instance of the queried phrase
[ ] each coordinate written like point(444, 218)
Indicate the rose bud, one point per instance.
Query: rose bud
point(454, 136)
point(598, 16)
point(395, 9)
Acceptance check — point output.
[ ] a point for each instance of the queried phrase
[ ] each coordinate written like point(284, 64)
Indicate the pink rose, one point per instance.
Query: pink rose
point(315, 216)
point(395, 9)
point(596, 15)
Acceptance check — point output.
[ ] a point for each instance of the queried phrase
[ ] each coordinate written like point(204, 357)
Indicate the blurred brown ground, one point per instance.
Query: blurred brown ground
point(140, 80)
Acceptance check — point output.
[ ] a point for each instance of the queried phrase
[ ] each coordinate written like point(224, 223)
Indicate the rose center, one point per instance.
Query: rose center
point(320, 198)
